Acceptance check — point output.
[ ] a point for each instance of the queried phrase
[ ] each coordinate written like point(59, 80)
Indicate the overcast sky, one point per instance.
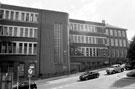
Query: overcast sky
point(119, 13)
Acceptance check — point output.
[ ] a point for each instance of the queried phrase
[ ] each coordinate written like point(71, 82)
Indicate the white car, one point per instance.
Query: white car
point(114, 69)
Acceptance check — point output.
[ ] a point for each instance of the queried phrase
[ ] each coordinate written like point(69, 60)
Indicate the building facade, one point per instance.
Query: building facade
point(88, 48)
point(50, 43)
point(32, 38)
point(117, 44)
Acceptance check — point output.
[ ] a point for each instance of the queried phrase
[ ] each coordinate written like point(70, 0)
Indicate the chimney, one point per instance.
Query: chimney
point(103, 21)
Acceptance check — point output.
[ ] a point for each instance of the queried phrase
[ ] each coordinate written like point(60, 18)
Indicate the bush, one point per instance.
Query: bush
point(131, 73)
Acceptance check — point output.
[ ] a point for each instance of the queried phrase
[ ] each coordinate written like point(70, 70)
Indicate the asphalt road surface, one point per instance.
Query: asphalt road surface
point(113, 81)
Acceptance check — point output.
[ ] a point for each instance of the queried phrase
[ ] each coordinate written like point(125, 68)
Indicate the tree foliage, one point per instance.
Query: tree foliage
point(131, 52)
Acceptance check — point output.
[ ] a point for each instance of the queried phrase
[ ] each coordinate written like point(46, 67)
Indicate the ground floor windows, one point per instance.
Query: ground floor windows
point(15, 47)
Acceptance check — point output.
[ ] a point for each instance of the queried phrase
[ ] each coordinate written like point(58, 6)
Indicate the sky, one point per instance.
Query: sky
point(119, 13)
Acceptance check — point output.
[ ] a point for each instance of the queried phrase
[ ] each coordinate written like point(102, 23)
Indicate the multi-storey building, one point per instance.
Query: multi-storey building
point(42, 40)
point(32, 38)
point(87, 45)
point(117, 44)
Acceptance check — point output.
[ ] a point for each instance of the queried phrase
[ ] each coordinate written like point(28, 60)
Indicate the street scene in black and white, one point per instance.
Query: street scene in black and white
point(67, 44)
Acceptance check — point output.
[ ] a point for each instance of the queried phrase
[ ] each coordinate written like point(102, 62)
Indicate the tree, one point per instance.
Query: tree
point(131, 52)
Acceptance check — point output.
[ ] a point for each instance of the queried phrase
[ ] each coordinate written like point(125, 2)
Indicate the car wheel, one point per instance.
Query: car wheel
point(108, 72)
point(97, 75)
point(87, 78)
point(122, 70)
point(113, 72)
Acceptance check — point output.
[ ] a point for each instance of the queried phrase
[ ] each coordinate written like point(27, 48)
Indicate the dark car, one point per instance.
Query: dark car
point(25, 85)
point(129, 67)
point(89, 75)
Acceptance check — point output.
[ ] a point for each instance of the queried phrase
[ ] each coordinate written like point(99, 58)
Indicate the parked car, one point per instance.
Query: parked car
point(114, 69)
point(129, 67)
point(89, 75)
point(25, 85)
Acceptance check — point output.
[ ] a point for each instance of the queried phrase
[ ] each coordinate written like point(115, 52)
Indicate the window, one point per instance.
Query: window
point(15, 31)
point(100, 40)
point(71, 26)
point(5, 31)
point(30, 48)
point(79, 39)
point(25, 48)
point(10, 31)
point(99, 29)
point(90, 51)
point(32, 17)
point(87, 41)
point(82, 39)
point(120, 42)
point(87, 51)
point(115, 33)
point(83, 52)
point(31, 32)
point(35, 33)
point(7, 15)
point(112, 42)
point(26, 32)
point(22, 16)
point(124, 33)
point(20, 48)
point(107, 32)
point(9, 47)
point(124, 43)
point(12, 15)
point(35, 49)
point(116, 42)
point(1, 30)
point(36, 17)
point(14, 47)
point(1, 14)
point(94, 52)
point(92, 39)
point(21, 32)
point(119, 32)
point(27, 16)
point(111, 32)
point(3, 48)
point(16, 15)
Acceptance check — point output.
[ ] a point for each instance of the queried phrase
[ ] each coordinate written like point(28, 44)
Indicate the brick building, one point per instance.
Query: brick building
point(50, 43)
point(117, 44)
point(32, 38)
point(87, 45)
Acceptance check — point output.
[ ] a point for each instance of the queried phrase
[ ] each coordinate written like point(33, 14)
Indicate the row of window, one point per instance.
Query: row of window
point(117, 53)
point(86, 28)
point(87, 39)
point(117, 42)
point(19, 15)
point(97, 52)
point(88, 51)
point(116, 33)
point(28, 48)
point(18, 31)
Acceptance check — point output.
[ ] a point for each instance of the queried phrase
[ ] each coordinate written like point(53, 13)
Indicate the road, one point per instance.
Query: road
point(114, 81)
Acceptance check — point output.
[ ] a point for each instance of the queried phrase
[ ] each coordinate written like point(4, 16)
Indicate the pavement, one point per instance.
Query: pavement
point(65, 76)
point(46, 80)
